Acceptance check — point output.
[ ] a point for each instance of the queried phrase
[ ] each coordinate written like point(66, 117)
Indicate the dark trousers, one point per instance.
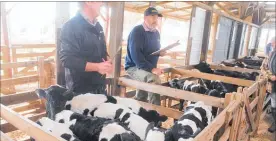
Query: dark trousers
point(273, 94)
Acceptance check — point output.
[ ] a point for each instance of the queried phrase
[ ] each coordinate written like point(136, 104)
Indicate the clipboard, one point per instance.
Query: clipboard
point(166, 48)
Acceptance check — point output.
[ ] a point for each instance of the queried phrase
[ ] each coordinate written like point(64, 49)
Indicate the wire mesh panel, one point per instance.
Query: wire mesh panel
point(222, 39)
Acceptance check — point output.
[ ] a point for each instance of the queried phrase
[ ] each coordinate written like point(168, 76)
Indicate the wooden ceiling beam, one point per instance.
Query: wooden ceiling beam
point(172, 7)
point(206, 7)
point(142, 8)
point(270, 10)
point(164, 15)
point(177, 9)
point(225, 10)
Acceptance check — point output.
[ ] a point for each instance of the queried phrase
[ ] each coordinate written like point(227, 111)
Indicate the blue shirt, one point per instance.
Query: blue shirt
point(140, 45)
point(268, 49)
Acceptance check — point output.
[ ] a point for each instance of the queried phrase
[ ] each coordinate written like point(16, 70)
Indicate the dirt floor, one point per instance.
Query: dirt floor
point(263, 134)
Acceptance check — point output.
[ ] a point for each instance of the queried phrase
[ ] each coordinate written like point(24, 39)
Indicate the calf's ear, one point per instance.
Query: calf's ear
point(40, 93)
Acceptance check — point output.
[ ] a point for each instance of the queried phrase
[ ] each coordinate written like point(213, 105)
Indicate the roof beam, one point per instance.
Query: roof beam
point(204, 6)
point(156, 4)
point(270, 10)
point(177, 9)
point(172, 7)
point(165, 15)
point(225, 9)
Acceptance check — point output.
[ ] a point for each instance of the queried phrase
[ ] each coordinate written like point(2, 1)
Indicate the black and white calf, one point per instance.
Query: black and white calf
point(95, 128)
point(85, 103)
point(56, 97)
point(89, 103)
point(58, 129)
point(135, 106)
point(194, 120)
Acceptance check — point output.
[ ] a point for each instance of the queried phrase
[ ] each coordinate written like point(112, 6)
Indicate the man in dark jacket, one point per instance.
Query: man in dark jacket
point(83, 51)
point(143, 40)
point(272, 68)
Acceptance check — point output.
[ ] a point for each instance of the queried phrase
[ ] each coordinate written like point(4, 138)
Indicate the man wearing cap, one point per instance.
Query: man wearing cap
point(143, 40)
point(83, 51)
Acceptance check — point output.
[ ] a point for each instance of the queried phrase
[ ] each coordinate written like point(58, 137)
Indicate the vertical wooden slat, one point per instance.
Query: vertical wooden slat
point(116, 32)
point(6, 51)
point(248, 111)
point(14, 59)
point(107, 26)
point(262, 93)
point(62, 16)
point(190, 39)
point(234, 131)
point(41, 78)
point(40, 71)
point(213, 35)
point(122, 91)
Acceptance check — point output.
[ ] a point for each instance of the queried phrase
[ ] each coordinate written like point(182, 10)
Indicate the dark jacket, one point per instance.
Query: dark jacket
point(82, 42)
point(272, 62)
point(140, 45)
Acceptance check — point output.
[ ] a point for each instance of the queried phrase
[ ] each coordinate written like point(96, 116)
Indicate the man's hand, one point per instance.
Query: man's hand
point(273, 78)
point(105, 67)
point(162, 53)
point(157, 71)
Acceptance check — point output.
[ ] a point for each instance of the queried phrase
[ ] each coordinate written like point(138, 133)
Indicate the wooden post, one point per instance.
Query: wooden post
point(249, 115)
point(214, 34)
point(4, 21)
point(41, 78)
point(262, 93)
point(40, 71)
point(107, 27)
point(190, 39)
point(116, 32)
point(26, 125)
point(62, 16)
point(14, 59)
point(247, 40)
point(234, 131)
point(122, 91)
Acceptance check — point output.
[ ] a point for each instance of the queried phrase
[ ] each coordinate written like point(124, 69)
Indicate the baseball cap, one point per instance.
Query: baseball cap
point(152, 11)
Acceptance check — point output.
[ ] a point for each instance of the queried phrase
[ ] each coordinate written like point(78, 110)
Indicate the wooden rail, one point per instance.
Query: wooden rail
point(26, 125)
point(43, 67)
point(225, 79)
point(171, 92)
point(220, 67)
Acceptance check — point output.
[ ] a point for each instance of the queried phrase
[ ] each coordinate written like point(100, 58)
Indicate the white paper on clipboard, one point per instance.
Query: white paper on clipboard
point(166, 48)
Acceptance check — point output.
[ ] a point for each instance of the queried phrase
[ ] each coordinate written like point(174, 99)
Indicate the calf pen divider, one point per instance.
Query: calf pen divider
point(232, 107)
point(252, 96)
point(14, 120)
point(26, 125)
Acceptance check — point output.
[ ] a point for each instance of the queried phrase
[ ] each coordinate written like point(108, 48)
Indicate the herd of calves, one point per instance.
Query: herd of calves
point(98, 117)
